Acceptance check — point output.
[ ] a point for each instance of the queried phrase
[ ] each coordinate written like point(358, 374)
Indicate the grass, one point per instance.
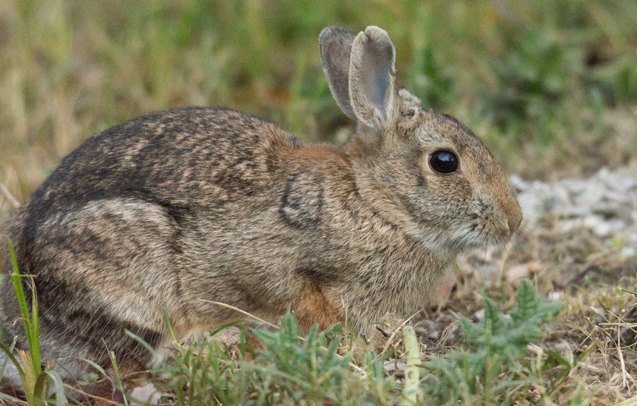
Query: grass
point(535, 80)
point(34, 378)
point(551, 87)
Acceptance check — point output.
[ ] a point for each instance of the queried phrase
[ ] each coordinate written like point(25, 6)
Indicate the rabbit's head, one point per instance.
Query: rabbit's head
point(423, 171)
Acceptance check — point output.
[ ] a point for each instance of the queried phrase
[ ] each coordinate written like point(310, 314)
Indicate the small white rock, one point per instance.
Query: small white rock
point(147, 394)
point(554, 296)
point(628, 252)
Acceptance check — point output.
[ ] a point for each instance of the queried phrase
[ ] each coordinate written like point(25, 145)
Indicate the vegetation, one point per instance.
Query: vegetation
point(550, 86)
point(34, 378)
point(497, 343)
point(534, 79)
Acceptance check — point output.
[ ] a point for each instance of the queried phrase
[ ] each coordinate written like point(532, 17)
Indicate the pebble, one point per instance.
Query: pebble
point(605, 203)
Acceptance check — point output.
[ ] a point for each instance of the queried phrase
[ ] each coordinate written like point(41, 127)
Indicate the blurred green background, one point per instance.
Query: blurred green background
point(550, 86)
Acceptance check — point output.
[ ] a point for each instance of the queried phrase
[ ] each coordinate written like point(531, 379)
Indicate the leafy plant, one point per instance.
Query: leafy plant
point(205, 373)
point(484, 369)
point(309, 368)
point(287, 367)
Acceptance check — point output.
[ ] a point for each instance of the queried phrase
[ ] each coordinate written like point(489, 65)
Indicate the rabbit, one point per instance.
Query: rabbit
point(174, 212)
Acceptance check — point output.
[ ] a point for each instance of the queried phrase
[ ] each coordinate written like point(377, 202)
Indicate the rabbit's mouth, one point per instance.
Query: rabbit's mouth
point(486, 225)
point(481, 234)
point(454, 238)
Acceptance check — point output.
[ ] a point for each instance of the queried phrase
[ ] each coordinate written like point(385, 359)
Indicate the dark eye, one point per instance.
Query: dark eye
point(443, 161)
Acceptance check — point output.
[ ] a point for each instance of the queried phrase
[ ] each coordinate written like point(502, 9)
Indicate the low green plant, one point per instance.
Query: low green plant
point(288, 367)
point(311, 369)
point(488, 365)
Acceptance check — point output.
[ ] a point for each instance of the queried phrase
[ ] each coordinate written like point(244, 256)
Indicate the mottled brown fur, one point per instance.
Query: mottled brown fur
point(169, 212)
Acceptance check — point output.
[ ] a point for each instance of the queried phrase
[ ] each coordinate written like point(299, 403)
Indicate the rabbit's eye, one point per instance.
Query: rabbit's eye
point(443, 161)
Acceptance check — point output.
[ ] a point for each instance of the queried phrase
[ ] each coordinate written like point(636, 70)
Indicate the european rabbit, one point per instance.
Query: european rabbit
point(173, 210)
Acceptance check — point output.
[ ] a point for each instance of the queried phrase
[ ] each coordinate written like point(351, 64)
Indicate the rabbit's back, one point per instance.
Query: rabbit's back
point(172, 158)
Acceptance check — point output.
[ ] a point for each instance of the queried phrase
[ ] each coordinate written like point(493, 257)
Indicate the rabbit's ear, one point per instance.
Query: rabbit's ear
point(336, 45)
point(371, 78)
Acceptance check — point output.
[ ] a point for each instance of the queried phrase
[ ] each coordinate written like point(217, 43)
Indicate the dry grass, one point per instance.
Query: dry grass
point(71, 68)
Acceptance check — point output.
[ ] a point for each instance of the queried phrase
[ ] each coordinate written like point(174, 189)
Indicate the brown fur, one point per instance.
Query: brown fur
point(167, 213)
point(315, 307)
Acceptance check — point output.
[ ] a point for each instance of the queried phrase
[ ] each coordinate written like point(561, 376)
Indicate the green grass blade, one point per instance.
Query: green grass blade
point(116, 375)
point(34, 342)
point(19, 289)
point(40, 389)
point(58, 386)
point(142, 342)
point(9, 352)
